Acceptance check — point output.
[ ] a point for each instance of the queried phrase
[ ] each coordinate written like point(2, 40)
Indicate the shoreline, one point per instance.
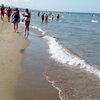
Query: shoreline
point(27, 72)
point(63, 77)
point(53, 84)
point(33, 83)
point(71, 81)
point(74, 83)
point(11, 57)
point(66, 55)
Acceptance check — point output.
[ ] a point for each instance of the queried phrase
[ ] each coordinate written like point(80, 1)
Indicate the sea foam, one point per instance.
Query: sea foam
point(94, 21)
point(53, 84)
point(39, 29)
point(65, 56)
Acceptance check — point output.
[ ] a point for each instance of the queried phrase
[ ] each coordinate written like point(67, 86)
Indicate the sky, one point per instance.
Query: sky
point(92, 6)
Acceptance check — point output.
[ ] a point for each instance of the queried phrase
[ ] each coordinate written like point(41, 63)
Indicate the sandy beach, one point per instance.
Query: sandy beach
point(21, 75)
point(27, 72)
point(11, 57)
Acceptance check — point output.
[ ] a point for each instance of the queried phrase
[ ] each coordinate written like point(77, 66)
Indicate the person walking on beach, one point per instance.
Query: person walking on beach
point(15, 18)
point(27, 16)
point(2, 10)
point(9, 11)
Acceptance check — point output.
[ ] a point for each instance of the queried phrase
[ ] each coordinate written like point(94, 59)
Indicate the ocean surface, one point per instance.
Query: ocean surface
point(73, 40)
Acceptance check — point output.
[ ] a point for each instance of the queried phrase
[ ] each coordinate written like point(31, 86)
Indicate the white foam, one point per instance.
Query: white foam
point(64, 56)
point(39, 29)
point(21, 22)
point(35, 27)
point(50, 18)
point(62, 16)
point(60, 21)
point(21, 16)
point(94, 21)
point(53, 84)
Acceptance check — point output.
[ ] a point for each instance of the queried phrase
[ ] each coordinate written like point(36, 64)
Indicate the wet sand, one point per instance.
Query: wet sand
point(33, 84)
point(74, 83)
point(43, 77)
point(11, 57)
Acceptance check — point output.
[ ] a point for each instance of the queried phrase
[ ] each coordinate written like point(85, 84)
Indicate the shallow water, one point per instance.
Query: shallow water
point(73, 40)
point(77, 31)
point(32, 84)
point(73, 43)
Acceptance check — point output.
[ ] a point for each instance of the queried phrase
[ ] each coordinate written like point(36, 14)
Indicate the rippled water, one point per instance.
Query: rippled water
point(77, 31)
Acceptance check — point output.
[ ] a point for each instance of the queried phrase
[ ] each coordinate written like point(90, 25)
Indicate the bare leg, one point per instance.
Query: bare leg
point(14, 27)
point(27, 31)
point(8, 19)
point(2, 17)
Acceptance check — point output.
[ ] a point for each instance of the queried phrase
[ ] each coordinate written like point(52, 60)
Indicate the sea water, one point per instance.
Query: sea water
point(73, 40)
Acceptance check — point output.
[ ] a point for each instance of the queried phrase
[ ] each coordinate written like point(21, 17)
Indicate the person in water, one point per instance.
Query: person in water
point(46, 18)
point(58, 16)
point(38, 13)
point(26, 19)
point(42, 17)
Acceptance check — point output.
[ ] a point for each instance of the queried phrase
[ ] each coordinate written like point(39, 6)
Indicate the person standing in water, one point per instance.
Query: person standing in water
point(27, 17)
point(42, 17)
point(46, 18)
point(38, 13)
point(58, 16)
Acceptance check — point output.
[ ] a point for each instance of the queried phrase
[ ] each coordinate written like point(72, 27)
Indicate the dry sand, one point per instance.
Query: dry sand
point(11, 56)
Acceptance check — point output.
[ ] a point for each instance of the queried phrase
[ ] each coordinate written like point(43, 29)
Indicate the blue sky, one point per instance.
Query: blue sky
point(57, 5)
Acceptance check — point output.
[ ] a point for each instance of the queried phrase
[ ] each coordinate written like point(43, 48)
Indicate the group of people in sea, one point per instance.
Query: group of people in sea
point(45, 16)
point(13, 16)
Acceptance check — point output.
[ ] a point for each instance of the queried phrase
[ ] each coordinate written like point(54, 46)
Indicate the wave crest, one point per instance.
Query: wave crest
point(64, 56)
